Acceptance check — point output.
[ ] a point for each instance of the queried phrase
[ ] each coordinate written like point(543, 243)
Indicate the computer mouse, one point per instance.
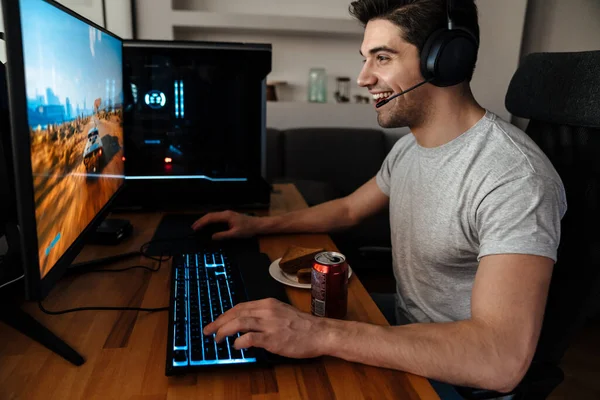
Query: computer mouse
point(206, 232)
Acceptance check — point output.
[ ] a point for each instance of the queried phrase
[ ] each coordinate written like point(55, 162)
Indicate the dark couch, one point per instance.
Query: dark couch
point(329, 163)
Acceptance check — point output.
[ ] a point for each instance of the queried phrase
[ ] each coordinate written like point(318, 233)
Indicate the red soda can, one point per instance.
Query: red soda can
point(329, 285)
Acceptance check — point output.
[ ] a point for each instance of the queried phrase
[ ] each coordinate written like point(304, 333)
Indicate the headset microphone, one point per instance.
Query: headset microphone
point(383, 103)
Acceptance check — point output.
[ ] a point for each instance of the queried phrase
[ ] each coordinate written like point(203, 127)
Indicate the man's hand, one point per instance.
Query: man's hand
point(275, 326)
point(240, 225)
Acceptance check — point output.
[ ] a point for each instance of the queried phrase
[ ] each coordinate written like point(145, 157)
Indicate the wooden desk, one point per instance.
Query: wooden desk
point(125, 350)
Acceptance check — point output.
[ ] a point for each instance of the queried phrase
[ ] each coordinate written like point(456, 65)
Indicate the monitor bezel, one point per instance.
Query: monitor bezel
point(37, 288)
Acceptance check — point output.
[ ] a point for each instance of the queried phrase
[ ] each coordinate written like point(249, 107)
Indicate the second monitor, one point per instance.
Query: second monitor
point(195, 123)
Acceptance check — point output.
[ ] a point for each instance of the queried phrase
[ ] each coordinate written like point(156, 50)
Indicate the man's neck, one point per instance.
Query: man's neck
point(454, 112)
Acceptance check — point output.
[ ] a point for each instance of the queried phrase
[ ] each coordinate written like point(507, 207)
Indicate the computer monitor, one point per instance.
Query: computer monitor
point(198, 109)
point(66, 104)
point(196, 124)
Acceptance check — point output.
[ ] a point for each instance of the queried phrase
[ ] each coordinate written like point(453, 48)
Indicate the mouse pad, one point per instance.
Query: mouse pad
point(174, 235)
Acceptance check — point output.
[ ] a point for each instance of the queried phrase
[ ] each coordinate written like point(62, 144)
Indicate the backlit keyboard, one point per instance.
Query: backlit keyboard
point(204, 286)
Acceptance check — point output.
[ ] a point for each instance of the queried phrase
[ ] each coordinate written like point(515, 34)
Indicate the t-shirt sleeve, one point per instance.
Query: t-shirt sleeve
point(521, 216)
point(383, 177)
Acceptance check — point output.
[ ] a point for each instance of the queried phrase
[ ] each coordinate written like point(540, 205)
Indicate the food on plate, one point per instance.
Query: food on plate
point(297, 258)
point(304, 275)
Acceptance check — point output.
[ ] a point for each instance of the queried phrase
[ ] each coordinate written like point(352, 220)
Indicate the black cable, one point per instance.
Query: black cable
point(12, 281)
point(120, 269)
point(1, 35)
point(100, 309)
point(134, 29)
point(142, 251)
point(84, 267)
point(104, 14)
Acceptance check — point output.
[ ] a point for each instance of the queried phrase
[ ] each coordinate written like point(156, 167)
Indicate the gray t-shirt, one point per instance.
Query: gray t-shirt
point(489, 191)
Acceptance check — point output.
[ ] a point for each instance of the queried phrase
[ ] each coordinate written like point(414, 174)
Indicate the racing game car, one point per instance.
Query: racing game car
point(93, 153)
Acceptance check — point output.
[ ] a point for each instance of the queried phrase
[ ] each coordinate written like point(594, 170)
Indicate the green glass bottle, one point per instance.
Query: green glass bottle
point(317, 85)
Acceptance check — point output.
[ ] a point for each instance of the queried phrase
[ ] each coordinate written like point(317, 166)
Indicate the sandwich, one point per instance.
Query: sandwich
point(304, 275)
point(297, 258)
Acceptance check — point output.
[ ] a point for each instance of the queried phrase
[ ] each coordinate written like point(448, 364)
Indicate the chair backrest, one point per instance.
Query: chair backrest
point(560, 94)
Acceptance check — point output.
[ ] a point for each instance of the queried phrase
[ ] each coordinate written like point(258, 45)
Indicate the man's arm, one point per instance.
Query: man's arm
point(330, 216)
point(492, 350)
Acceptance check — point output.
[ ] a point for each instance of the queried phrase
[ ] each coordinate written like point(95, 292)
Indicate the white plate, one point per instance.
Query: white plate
point(289, 279)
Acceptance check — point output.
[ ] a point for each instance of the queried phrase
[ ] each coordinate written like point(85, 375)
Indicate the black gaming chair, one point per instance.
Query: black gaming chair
point(560, 94)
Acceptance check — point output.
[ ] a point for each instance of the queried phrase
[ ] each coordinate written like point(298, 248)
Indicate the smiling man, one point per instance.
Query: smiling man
point(475, 211)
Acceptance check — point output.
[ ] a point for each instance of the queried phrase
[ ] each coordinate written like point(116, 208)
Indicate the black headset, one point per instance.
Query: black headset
point(449, 54)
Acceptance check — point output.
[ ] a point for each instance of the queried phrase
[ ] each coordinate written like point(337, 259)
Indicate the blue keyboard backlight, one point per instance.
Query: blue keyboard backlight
point(210, 272)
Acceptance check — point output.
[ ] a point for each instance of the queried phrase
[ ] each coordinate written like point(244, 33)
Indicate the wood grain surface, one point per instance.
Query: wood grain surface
point(125, 351)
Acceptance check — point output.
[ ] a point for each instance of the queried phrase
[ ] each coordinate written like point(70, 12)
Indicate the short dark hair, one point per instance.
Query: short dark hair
point(418, 19)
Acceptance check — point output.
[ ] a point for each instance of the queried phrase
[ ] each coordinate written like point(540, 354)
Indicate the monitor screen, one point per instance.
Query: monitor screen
point(73, 79)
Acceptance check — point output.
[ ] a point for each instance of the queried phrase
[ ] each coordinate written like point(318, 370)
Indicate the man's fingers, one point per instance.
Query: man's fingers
point(202, 221)
point(209, 218)
point(241, 309)
point(228, 234)
point(242, 324)
point(219, 322)
point(250, 339)
point(257, 309)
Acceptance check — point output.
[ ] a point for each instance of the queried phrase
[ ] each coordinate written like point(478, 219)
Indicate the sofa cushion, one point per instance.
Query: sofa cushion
point(345, 158)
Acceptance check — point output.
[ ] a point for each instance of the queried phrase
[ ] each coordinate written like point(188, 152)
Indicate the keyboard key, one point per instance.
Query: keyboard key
point(235, 354)
point(226, 305)
point(197, 355)
point(223, 350)
point(209, 353)
point(180, 338)
point(248, 353)
point(180, 355)
point(197, 352)
point(195, 331)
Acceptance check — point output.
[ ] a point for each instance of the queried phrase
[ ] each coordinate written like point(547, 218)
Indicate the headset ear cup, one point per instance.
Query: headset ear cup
point(449, 57)
point(456, 58)
point(429, 54)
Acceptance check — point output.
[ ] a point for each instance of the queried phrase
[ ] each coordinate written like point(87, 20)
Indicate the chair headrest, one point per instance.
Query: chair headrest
point(561, 88)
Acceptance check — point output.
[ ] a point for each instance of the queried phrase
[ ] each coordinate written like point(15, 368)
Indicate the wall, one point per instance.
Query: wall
point(562, 25)
point(91, 9)
point(501, 25)
point(118, 14)
point(118, 17)
point(294, 54)
point(306, 8)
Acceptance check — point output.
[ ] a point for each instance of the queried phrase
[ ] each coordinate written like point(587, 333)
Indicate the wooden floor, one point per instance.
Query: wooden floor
point(581, 363)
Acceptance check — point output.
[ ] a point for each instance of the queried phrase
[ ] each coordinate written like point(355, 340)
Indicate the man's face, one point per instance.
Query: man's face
point(392, 65)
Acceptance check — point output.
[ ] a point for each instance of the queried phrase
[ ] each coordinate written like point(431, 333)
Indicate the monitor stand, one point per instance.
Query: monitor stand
point(12, 314)
point(15, 317)
point(21, 321)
